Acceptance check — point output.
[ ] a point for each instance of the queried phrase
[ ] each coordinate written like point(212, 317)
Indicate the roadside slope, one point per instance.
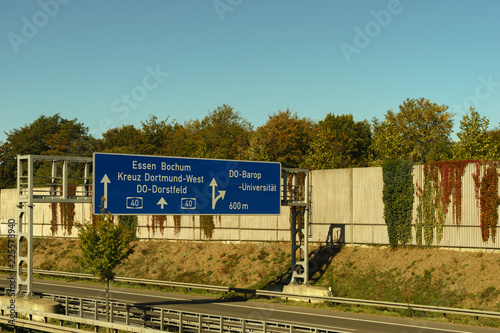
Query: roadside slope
point(414, 275)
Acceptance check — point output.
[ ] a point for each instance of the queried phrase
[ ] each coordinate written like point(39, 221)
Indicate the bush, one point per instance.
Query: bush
point(398, 200)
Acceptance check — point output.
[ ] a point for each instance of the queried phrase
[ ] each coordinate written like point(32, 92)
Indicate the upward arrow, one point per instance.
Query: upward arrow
point(162, 203)
point(106, 181)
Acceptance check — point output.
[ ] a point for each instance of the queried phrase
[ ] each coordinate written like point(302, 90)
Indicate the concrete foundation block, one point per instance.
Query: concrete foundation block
point(20, 305)
point(305, 290)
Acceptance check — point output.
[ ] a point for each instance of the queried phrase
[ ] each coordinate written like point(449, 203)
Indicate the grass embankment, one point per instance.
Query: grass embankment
point(245, 265)
point(408, 275)
point(417, 276)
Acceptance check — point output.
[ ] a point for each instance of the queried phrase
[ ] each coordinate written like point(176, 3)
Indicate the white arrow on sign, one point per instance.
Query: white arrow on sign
point(221, 195)
point(162, 203)
point(106, 181)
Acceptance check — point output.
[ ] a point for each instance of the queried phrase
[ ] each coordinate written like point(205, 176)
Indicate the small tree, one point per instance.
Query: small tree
point(475, 140)
point(104, 245)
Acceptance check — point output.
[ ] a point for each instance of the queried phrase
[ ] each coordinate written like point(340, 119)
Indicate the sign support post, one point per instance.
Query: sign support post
point(31, 190)
point(296, 195)
point(24, 254)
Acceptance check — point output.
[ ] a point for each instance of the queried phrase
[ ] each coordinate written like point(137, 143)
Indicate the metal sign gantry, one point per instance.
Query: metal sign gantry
point(66, 171)
point(295, 193)
point(70, 171)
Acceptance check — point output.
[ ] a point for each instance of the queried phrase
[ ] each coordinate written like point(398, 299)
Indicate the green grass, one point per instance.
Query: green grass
point(392, 287)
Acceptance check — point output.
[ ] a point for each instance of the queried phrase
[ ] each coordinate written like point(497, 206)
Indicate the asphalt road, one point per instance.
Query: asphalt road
point(348, 322)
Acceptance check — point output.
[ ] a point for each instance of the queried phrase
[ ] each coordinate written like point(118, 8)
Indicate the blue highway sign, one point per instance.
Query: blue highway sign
point(158, 185)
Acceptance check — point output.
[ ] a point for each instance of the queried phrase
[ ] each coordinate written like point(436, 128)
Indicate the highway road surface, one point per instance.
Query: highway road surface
point(348, 322)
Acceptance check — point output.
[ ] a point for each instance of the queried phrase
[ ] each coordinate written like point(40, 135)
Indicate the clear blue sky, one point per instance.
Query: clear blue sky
point(115, 62)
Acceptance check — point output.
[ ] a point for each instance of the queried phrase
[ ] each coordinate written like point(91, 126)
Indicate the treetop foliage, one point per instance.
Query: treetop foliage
point(419, 132)
point(45, 136)
point(414, 132)
point(222, 134)
point(284, 138)
point(476, 143)
point(339, 142)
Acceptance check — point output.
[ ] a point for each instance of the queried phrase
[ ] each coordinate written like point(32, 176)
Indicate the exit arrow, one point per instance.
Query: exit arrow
point(106, 181)
point(162, 203)
point(221, 195)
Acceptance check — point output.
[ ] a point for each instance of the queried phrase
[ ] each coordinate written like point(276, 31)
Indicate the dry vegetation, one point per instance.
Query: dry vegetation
point(418, 275)
point(414, 275)
point(247, 265)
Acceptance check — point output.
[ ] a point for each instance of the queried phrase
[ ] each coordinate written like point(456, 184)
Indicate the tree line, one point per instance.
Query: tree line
point(420, 131)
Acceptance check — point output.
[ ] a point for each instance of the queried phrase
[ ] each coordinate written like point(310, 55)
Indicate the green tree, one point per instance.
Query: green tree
point(339, 142)
point(70, 139)
point(158, 137)
point(494, 135)
point(222, 134)
point(129, 223)
point(387, 144)
point(124, 140)
point(283, 138)
point(103, 246)
point(475, 140)
point(441, 151)
point(45, 136)
point(154, 137)
point(414, 133)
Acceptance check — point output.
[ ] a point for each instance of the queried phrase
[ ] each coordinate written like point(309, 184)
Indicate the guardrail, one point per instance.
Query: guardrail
point(134, 318)
point(44, 326)
point(265, 293)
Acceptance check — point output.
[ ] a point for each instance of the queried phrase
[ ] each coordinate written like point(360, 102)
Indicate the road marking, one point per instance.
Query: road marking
point(281, 310)
point(359, 319)
point(184, 299)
